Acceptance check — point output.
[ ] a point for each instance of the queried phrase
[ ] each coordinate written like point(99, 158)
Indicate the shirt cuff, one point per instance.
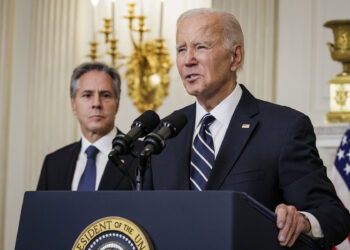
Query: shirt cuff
point(316, 230)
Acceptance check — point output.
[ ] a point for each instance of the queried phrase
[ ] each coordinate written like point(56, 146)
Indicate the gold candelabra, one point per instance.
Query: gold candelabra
point(147, 68)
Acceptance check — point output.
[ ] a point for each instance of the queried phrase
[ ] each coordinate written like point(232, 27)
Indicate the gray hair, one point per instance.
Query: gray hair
point(232, 29)
point(91, 66)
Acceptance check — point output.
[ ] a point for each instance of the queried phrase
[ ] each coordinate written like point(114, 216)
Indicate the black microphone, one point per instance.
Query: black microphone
point(144, 124)
point(170, 126)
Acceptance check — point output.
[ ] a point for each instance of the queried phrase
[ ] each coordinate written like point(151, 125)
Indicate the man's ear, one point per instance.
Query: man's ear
point(237, 57)
point(116, 110)
point(74, 106)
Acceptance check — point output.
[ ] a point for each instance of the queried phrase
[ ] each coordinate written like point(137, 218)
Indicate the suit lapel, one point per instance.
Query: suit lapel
point(184, 154)
point(241, 127)
point(171, 168)
point(111, 177)
point(71, 162)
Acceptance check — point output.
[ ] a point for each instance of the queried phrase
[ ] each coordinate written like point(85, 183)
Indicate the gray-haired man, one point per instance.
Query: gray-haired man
point(84, 165)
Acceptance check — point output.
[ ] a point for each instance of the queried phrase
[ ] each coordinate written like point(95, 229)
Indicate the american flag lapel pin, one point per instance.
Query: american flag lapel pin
point(245, 125)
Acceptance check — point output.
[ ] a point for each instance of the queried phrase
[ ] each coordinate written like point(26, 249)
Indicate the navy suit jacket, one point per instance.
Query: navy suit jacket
point(58, 170)
point(268, 152)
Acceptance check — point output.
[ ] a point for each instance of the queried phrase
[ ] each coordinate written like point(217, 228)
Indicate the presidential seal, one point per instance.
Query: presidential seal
point(113, 233)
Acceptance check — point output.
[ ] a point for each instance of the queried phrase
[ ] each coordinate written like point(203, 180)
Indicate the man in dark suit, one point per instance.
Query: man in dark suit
point(95, 93)
point(233, 141)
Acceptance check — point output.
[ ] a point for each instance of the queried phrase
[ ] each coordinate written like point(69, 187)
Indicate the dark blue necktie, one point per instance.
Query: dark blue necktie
point(202, 155)
point(88, 179)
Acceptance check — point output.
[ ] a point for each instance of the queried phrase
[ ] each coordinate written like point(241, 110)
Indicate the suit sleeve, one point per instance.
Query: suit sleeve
point(305, 184)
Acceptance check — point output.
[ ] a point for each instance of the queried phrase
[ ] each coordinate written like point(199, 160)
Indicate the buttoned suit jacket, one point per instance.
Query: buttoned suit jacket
point(269, 152)
point(58, 170)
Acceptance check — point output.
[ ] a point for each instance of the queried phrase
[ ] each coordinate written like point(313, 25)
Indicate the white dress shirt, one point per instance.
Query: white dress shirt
point(104, 146)
point(223, 113)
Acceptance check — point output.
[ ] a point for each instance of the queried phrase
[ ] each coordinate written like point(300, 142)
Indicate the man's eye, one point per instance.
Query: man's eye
point(179, 50)
point(201, 47)
point(86, 95)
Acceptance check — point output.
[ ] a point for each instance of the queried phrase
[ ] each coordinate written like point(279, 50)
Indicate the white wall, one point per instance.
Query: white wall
point(17, 120)
point(304, 64)
point(6, 21)
point(258, 19)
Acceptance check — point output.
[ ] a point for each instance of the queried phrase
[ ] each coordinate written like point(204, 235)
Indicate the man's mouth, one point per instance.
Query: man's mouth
point(191, 76)
point(96, 116)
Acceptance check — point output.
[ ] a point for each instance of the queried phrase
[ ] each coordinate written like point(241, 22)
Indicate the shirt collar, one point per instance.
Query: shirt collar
point(104, 144)
point(224, 110)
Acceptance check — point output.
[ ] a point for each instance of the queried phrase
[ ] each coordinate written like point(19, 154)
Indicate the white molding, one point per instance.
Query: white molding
point(329, 135)
point(328, 140)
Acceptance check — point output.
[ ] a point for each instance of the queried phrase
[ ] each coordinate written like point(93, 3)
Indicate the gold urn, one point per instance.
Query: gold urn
point(340, 84)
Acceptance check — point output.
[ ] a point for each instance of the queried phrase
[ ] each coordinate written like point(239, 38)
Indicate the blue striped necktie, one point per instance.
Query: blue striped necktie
point(88, 179)
point(202, 155)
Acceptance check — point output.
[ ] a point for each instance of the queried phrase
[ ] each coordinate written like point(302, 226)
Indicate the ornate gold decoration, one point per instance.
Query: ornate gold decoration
point(147, 66)
point(107, 29)
point(341, 96)
point(114, 232)
point(113, 52)
point(93, 51)
point(340, 84)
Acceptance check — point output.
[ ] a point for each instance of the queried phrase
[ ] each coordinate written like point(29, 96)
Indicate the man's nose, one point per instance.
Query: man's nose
point(190, 58)
point(96, 102)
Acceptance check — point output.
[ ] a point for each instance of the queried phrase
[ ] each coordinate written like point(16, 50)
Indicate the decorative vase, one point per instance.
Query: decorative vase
point(340, 84)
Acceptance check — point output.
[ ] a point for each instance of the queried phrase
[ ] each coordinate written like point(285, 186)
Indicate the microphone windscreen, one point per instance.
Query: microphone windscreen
point(176, 121)
point(148, 121)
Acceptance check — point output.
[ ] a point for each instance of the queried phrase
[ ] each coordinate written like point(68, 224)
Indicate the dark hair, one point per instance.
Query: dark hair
point(90, 66)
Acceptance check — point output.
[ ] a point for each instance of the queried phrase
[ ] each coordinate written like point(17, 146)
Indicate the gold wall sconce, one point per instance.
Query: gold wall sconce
point(148, 65)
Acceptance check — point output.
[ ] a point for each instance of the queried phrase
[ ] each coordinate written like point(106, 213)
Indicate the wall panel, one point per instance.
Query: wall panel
point(258, 20)
point(6, 23)
point(50, 122)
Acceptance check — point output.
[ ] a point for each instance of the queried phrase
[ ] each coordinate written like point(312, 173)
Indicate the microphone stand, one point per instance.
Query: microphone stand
point(143, 165)
point(118, 163)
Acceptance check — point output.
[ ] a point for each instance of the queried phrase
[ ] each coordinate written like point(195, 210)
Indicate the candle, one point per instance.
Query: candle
point(141, 6)
point(94, 4)
point(161, 19)
point(93, 24)
point(113, 19)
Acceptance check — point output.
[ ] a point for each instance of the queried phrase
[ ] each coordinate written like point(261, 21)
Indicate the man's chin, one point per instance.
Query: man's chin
point(99, 130)
point(193, 92)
